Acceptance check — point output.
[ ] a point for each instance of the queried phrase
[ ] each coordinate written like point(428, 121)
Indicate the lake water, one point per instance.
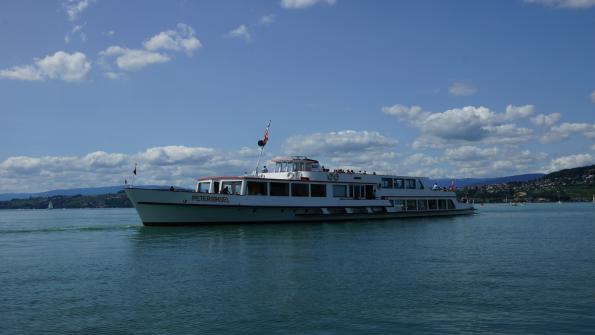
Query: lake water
point(524, 269)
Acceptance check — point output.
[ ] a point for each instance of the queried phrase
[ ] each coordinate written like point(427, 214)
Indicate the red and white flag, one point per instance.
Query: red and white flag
point(263, 142)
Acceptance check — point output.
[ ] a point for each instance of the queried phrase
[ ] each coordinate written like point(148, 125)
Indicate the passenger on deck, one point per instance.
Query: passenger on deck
point(225, 190)
point(264, 169)
point(435, 187)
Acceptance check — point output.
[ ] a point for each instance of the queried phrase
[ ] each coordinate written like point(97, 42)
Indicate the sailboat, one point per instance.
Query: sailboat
point(50, 205)
point(594, 198)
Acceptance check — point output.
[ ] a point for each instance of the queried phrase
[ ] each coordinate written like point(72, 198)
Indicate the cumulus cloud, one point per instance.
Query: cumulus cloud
point(565, 130)
point(474, 161)
point(339, 142)
point(134, 59)
point(240, 32)
point(61, 65)
point(180, 39)
point(546, 120)
point(348, 148)
point(575, 4)
point(299, 4)
point(462, 89)
point(74, 8)
point(518, 112)
point(469, 123)
point(268, 19)
point(168, 165)
point(570, 161)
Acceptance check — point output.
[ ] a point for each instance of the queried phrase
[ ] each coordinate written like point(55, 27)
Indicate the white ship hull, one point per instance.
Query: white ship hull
point(160, 207)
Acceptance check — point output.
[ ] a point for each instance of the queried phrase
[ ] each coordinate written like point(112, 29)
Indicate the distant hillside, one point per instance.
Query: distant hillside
point(117, 200)
point(66, 192)
point(71, 192)
point(466, 182)
point(579, 173)
point(577, 184)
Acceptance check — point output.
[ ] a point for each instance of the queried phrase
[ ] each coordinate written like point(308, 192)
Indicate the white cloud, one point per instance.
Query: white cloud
point(593, 97)
point(168, 165)
point(181, 39)
point(570, 161)
point(564, 130)
point(61, 65)
point(546, 120)
point(298, 4)
point(469, 123)
point(240, 32)
point(75, 7)
point(358, 150)
point(127, 59)
point(564, 3)
point(405, 113)
point(462, 89)
point(115, 75)
point(473, 161)
point(26, 72)
point(268, 19)
point(340, 142)
point(134, 59)
point(518, 112)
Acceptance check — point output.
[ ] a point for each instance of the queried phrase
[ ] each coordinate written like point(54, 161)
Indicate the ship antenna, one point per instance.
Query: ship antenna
point(261, 144)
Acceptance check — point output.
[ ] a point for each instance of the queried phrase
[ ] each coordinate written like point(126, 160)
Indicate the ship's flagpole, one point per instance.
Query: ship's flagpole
point(261, 144)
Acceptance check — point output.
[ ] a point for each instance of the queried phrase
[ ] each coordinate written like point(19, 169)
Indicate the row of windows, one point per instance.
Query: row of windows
point(296, 166)
point(402, 183)
point(282, 189)
point(422, 205)
point(354, 191)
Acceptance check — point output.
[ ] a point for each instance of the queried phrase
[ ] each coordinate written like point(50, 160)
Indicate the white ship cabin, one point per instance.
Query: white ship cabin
point(302, 177)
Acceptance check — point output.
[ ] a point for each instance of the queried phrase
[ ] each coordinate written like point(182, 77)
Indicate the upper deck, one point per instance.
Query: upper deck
point(302, 170)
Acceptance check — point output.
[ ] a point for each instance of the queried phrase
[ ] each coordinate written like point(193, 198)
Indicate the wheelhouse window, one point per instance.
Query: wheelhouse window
point(399, 183)
point(410, 183)
point(340, 191)
point(450, 204)
point(300, 190)
point(411, 205)
point(387, 183)
point(233, 187)
point(204, 186)
point(318, 190)
point(280, 189)
point(420, 184)
point(257, 188)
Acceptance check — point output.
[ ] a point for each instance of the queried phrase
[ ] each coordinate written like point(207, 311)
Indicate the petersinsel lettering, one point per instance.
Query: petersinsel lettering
point(209, 198)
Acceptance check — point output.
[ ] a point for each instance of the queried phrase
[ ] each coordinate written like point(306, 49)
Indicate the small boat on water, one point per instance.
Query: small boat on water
point(50, 205)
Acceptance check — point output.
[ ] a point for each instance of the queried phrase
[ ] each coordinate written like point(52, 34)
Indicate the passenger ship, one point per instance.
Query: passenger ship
point(298, 189)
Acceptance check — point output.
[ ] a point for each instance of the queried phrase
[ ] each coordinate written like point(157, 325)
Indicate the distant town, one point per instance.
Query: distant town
point(571, 185)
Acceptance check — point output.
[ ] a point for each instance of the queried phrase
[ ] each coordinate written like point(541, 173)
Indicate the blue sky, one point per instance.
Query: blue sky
point(184, 88)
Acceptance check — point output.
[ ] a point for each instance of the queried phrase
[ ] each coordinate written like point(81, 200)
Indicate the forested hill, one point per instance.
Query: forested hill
point(576, 184)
